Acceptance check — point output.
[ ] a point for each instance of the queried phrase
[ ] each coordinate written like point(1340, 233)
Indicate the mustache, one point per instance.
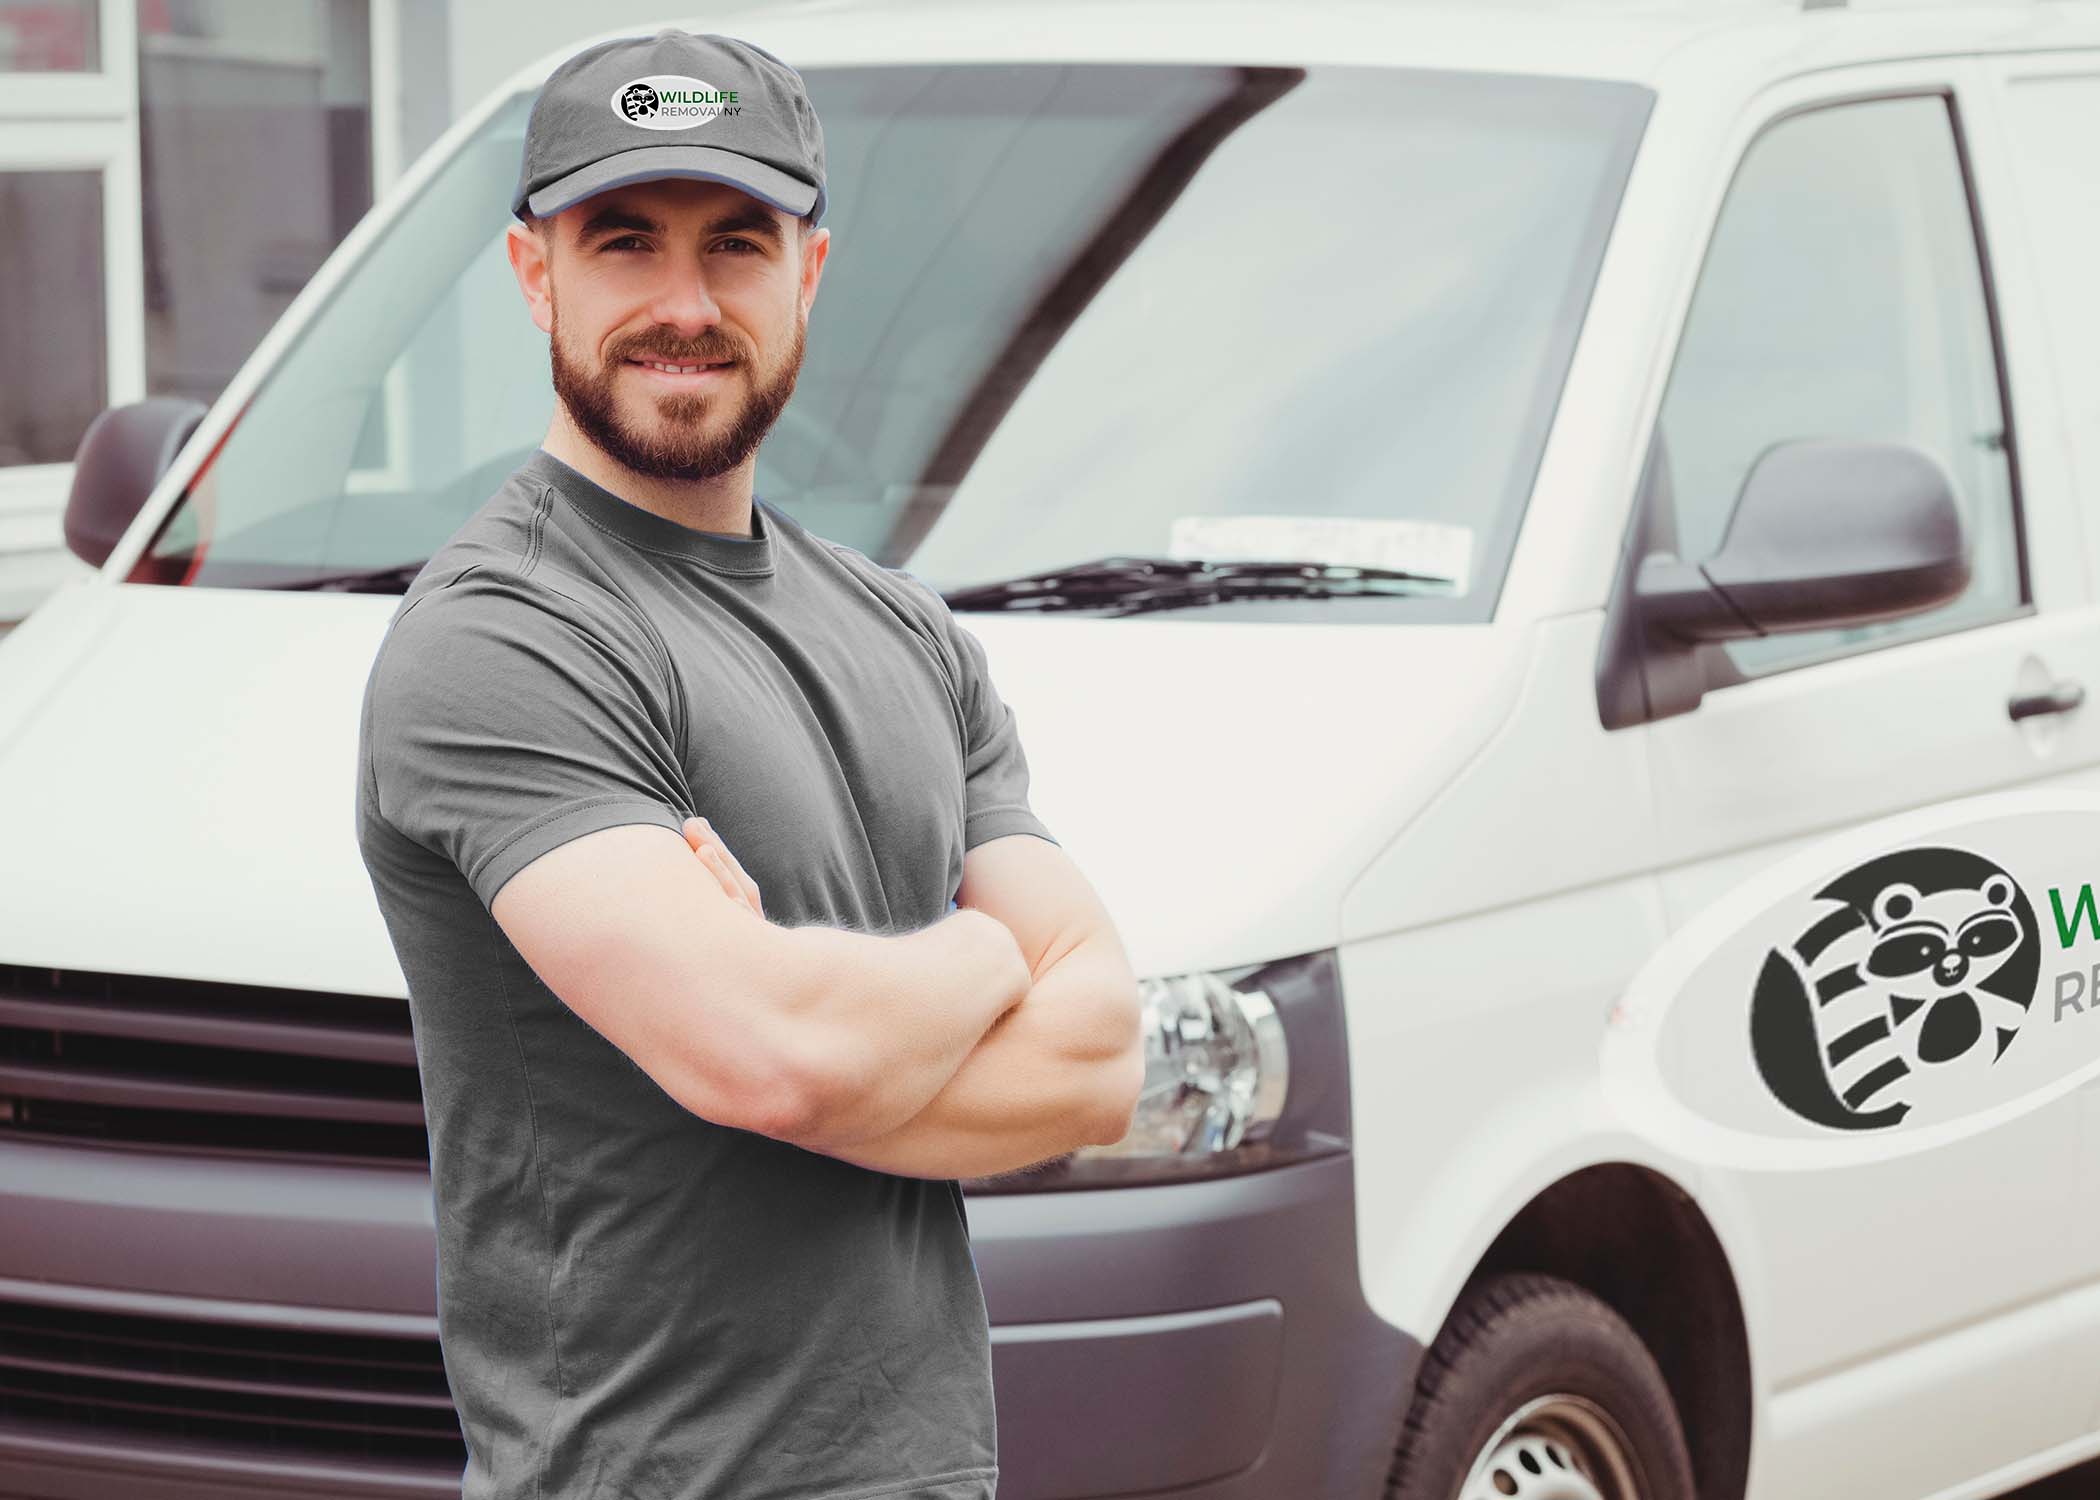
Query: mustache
point(681, 356)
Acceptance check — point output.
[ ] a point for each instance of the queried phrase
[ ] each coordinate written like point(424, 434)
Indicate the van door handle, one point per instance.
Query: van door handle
point(2057, 698)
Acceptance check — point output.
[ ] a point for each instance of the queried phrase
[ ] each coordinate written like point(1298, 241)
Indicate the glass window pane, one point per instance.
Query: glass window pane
point(54, 356)
point(1347, 293)
point(50, 36)
point(255, 130)
point(1842, 297)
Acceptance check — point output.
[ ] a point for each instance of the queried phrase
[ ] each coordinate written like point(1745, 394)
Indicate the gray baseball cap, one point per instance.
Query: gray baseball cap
point(676, 104)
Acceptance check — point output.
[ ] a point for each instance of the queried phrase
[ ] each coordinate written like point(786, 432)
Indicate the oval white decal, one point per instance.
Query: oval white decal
point(1909, 982)
point(671, 101)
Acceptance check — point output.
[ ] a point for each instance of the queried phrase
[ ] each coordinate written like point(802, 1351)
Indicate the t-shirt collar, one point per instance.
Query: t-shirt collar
point(722, 551)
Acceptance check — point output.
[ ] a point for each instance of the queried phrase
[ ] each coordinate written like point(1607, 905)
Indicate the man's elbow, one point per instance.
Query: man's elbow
point(774, 1092)
point(1122, 1075)
point(815, 1096)
point(793, 1111)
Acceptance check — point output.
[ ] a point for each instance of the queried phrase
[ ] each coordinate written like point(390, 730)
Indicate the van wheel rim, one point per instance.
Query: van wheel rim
point(1557, 1447)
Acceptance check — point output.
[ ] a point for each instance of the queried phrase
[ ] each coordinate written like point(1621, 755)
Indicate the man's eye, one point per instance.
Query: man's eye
point(632, 239)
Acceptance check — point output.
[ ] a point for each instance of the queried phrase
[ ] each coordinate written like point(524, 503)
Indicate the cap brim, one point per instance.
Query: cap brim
point(700, 163)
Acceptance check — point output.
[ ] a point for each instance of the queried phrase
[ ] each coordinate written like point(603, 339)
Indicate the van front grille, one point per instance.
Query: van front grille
point(289, 1393)
point(177, 1064)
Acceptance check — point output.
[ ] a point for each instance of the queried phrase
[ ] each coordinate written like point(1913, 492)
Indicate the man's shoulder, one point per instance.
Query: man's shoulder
point(511, 550)
point(897, 585)
point(485, 654)
point(473, 623)
point(479, 575)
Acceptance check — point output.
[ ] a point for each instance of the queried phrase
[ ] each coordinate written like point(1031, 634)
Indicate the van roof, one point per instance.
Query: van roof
point(1622, 39)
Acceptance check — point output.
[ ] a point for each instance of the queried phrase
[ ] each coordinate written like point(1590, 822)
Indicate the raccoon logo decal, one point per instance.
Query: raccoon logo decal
point(1927, 957)
point(638, 102)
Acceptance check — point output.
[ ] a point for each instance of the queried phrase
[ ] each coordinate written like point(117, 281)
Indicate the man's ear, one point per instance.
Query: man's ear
point(528, 251)
point(814, 250)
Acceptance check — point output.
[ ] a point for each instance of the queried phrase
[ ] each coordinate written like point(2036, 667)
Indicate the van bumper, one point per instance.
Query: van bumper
point(1209, 1338)
point(1206, 1338)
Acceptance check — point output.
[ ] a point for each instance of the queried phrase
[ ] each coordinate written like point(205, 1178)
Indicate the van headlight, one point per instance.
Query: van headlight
point(1217, 1067)
point(1245, 1068)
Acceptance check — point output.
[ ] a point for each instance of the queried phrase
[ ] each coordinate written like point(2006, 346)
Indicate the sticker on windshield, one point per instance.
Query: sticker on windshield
point(1908, 983)
point(1431, 548)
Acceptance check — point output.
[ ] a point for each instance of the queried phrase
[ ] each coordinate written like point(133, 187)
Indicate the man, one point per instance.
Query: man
point(694, 1164)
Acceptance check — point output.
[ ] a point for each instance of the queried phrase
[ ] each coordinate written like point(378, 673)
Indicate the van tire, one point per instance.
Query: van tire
point(1512, 1339)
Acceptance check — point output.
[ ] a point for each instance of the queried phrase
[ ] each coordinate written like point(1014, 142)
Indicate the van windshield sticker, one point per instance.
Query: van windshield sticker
point(1431, 547)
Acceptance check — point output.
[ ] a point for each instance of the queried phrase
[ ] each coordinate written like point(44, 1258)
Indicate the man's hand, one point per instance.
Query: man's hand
point(1012, 1105)
point(714, 854)
point(1038, 1084)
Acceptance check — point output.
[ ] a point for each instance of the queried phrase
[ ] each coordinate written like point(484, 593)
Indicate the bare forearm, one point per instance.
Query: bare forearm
point(885, 1022)
point(1037, 1085)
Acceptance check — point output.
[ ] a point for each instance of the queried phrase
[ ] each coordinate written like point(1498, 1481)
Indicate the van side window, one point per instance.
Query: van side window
point(1842, 296)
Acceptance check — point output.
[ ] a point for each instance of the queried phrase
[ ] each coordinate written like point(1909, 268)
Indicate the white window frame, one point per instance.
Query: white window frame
point(73, 122)
point(90, 121)
point(392, 476)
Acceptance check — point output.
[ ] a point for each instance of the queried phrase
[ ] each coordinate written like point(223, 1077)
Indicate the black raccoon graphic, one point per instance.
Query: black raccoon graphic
point(638, 102)
point(1924, 952)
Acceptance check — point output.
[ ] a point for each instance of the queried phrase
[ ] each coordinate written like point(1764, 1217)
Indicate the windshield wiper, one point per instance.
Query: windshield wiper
point(391, 580)
point(1124, 585)
point(1121, 585)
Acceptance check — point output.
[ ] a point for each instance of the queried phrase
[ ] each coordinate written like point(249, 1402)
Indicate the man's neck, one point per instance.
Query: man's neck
point(721, 504)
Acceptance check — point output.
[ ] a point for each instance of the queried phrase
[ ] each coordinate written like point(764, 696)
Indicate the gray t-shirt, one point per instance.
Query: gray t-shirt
point(636, 1303)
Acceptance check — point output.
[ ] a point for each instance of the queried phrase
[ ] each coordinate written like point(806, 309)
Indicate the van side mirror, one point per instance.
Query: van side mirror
point(1826, 531)
point(121, 457)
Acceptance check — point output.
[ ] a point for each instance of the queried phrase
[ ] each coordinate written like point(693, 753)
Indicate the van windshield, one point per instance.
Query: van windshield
point(1073, 312)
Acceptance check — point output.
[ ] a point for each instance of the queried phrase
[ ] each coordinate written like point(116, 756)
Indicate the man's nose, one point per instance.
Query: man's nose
point(684, 303)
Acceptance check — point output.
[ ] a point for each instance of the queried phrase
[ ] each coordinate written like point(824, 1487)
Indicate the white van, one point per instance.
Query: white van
point(1675, 420)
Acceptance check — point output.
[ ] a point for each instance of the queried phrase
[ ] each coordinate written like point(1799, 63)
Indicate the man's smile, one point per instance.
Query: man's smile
point(681, 373)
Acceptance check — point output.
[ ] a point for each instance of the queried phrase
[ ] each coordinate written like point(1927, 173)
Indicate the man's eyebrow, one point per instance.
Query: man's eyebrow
point(750, 221)
point(611, 218)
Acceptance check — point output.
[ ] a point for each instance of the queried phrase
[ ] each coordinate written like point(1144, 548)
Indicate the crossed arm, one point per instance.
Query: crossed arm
point(1059, 1070)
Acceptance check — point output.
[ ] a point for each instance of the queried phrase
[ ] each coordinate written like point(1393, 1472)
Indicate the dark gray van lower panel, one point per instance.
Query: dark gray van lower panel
point(42, 1467)
point(278, 1236)
point(1208, 1339)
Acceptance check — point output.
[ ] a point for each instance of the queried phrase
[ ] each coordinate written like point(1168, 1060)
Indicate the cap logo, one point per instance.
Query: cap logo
point(671, 101)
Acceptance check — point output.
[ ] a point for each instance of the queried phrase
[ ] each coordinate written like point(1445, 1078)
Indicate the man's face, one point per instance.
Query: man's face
point(681, 273)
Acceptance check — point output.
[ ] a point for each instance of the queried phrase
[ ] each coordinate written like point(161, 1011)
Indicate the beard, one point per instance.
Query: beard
point(687, 441)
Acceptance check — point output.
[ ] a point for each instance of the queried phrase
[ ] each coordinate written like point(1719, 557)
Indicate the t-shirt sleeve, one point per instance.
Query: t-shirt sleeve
point(995, 767)
point(503, 719)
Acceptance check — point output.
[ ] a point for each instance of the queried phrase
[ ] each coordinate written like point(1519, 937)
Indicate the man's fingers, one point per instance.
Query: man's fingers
point(743, 880)
point(712, 855)
point(713, 860)
point(700, 834)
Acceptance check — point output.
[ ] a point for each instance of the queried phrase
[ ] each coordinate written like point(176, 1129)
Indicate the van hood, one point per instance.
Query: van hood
point(176, 773)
